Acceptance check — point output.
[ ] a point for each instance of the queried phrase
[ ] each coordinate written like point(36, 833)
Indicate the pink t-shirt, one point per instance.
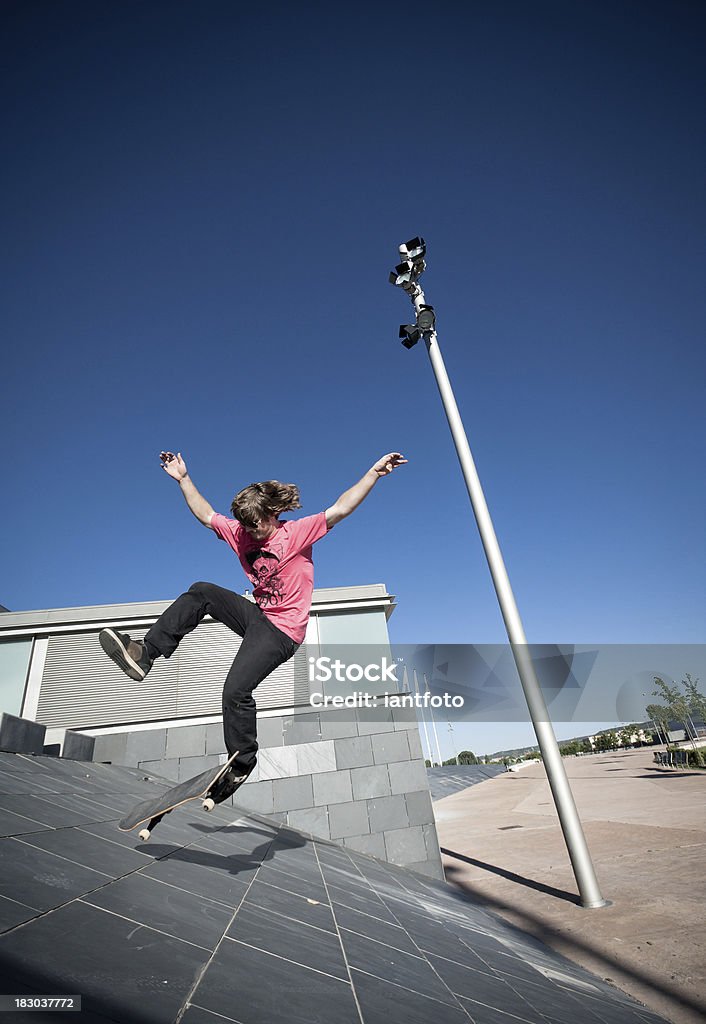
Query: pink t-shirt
point(281, 569)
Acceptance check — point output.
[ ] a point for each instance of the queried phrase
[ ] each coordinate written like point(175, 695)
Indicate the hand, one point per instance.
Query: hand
point(173, 464)
point(388, 462)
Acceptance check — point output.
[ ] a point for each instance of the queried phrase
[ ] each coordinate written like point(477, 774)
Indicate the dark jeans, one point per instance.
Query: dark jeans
point(264, 647)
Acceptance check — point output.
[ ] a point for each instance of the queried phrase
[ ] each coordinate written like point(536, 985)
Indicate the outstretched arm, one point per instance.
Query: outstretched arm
point(351, 499)
point(175, 466)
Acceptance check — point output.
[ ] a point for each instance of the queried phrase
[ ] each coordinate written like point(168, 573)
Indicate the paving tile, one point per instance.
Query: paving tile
point(299, 860)
point(88, 850)
point(269, 731)
point(277, 763)
point(405, 845)
point(256, 796)
point(358, 899)
point(270, 989)
point(109, 831)
point(388, 812)
point(373, 781)
point(124, 972)
point(313, 820)
point(390, 746)
point(550, 999)
point(373, 845)
point(45, 811)
point(374, 720)
point(40, 879)
point(484, 988)
point(607, 1011)
point(13, 762)
point(309, 888)
point(285, 937)
point(481, 1014)
point(13, 913)
point(348, 819)
point(394, 966)
point(338, 722)
point(432, 937)
point(184, 741)
point(237, 838)
point(281, 901)
point(407, 776)
point(12, 824)
point(373, 928)
point(165, 908)
point(99, 805)
point(145, 745)
point(380, 1001)
point(353, 752)
point(292, 794)
point(346, 875)
point(419, 808)
point(303, 728)
point(513, 968)
point(314, 758)
point(191, 870)
point(15, 782)
point(332, 787)
point(198, 1015)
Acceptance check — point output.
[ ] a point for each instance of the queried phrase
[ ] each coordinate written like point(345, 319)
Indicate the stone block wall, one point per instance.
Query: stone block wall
point(20, 735)
point(356, 776)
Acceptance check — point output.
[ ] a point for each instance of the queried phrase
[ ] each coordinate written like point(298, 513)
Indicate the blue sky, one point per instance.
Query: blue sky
point(201, 207)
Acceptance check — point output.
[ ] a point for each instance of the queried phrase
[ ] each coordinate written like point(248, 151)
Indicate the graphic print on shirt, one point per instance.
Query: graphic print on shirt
point(263, 567)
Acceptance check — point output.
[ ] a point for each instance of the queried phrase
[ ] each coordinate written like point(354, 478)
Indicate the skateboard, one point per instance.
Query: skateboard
point(201, 787)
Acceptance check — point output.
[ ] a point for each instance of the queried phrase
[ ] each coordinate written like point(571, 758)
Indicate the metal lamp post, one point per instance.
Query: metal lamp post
point(406, 276)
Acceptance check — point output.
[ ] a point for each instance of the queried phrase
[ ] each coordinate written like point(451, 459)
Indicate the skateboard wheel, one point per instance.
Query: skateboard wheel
point(209, 804)
point(144, 834)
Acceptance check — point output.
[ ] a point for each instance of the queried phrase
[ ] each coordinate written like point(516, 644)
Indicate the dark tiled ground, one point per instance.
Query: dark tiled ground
point(452, 778)
point(229, 917)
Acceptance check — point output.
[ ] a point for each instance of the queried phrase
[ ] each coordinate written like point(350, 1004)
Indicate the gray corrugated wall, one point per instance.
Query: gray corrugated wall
point(81, 687)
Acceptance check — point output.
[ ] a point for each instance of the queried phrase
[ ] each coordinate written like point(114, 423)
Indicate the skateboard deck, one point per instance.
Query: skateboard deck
point(150, 812)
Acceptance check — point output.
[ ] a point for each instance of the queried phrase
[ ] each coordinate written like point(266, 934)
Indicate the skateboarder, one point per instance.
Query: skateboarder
point(276, 557)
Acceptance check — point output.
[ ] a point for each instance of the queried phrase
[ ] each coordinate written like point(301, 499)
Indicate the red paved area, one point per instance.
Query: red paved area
point(646, 831)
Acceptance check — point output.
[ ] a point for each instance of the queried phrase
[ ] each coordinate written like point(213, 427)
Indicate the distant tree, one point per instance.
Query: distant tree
point(626, 734)
point(607, 741)
point(467, 757)
point(677, 705)
point(696, 702)
point(660, 716)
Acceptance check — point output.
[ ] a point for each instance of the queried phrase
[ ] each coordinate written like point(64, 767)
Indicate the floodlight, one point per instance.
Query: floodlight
point(404, 274)
point(415, 249)
point(426, 319)
point(410, 335)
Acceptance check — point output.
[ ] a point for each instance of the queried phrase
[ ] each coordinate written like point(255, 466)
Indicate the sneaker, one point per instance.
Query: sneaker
point(129, 655)
point(227, 785)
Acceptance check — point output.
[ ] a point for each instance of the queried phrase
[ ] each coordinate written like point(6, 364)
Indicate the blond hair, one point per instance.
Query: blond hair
point(260, 501)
